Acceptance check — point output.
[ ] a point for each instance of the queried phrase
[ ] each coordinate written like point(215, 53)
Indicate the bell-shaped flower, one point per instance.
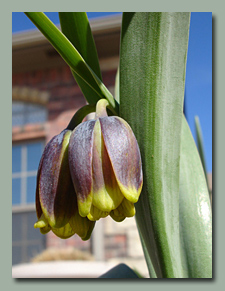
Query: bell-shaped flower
point(105, 166)
point(56, 202)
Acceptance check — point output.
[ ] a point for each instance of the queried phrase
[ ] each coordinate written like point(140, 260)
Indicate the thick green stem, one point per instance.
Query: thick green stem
point(101, 108)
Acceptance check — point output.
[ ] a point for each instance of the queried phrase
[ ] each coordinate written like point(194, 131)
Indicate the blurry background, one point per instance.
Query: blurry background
point(45, 97)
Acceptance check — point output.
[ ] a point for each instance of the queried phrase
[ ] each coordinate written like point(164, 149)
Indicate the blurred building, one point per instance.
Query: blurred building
point(44, 98)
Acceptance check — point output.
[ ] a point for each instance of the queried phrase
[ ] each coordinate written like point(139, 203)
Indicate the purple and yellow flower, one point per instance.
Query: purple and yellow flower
point(105, 166)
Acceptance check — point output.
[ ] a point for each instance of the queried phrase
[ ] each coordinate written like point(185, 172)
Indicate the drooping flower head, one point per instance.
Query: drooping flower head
point(105, 165)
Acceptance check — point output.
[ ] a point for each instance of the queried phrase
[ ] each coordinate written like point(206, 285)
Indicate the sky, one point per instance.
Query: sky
point(198, 88)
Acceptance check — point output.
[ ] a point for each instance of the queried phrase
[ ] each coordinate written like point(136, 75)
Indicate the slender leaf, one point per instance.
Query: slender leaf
point(72, 57)
point(117, 86)
point(75, 26)
point(195, 209)
point(148, 260)
point(152, 74)
point(200, 146)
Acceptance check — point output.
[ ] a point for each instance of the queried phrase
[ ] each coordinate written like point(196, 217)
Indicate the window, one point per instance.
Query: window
point(25, 161)
point(26, 241)
point(25, 112)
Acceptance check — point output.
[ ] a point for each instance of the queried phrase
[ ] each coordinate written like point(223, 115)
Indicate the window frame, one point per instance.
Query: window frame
point(25, 242)
point(24, 174)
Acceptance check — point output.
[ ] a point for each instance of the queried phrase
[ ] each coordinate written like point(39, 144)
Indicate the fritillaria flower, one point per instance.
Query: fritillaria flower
point(105, 166)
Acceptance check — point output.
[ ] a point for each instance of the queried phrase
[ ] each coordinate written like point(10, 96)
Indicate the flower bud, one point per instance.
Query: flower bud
point(56, 202)
point(105, 166)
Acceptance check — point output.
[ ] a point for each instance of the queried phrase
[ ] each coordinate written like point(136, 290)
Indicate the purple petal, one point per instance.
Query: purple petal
point(124, 154)
point(56, 192)
point(80, 162)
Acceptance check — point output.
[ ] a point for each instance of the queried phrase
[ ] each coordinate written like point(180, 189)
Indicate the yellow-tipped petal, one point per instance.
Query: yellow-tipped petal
point(88, 234)
point(105, 190)
point(64, 232)
point(125, 209)
point(118, 217)
point(42, 223)
point(130, 193)
point(80, 162)
point(107, 199)
point(124, 154)
point(55, 195)
point(82, 226)
point(84, 207)
point(96, 214)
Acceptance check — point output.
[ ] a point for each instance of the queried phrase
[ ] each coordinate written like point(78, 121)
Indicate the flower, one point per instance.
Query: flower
point(56, 202)
point(105, 166)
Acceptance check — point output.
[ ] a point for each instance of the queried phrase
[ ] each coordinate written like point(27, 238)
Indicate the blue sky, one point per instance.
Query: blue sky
point(198, 92)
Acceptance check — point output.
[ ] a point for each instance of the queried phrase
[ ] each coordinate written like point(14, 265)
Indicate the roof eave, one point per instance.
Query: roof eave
point(100, 25)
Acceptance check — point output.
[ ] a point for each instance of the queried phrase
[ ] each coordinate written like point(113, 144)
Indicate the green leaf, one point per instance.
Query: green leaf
point(152, 75)
point(75, 26)
point(150, 266)
point(200, 146)
point(73, 58)
point(117, 86)
point(195, 209)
